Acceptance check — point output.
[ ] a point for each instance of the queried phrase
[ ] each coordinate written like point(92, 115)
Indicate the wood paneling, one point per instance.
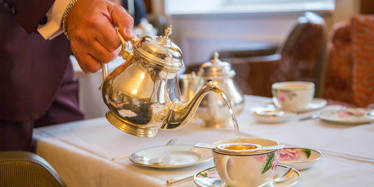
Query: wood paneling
point(367, 7)
point(148, 5)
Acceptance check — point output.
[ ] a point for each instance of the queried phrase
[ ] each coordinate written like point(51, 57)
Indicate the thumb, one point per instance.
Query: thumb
point(123, 21)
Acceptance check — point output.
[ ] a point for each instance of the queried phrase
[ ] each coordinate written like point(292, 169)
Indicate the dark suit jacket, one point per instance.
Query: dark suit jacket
point(140, 11)
point(31, 68)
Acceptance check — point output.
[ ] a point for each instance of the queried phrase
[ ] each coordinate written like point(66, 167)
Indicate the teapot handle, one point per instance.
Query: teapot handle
point(104, 70)
point(126, 49)
point(126, 53)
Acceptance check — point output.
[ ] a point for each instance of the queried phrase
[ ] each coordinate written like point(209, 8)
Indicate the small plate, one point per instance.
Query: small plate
point(299, 158)
point(210, 177)
point(269, 114)
point(348, 115)
point(171, 156)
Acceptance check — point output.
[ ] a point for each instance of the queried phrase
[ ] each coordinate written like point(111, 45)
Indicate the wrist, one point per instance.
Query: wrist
point(65, 18)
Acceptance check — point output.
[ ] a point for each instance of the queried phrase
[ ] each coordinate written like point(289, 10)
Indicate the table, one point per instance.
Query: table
point(81, 152)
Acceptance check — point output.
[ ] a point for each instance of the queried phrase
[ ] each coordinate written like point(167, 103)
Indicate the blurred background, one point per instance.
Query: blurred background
point(266, 41)
point(201, 27)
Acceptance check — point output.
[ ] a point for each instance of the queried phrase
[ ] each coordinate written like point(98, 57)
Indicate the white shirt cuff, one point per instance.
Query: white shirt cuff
point(54, 15)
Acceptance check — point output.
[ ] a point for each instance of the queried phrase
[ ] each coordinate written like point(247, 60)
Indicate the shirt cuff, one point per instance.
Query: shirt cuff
point(54, 15)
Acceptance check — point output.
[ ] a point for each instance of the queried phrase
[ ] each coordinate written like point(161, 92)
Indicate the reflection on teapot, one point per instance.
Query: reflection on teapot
point(190, 83)
point(143, 93)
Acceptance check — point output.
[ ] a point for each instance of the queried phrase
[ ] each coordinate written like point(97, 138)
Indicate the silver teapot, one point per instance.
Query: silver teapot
point(213, 110)
point(143, 94)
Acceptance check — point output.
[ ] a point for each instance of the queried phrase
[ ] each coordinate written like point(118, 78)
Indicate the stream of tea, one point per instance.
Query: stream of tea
point(229, 106)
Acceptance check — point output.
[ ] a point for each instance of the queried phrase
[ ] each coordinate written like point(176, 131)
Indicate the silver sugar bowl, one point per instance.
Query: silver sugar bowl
point(213, 110)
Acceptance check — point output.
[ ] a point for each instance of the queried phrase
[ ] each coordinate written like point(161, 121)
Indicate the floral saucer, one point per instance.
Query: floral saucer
point(270, 114)
point(344, 115)
point(299, 158)
point(210, 178)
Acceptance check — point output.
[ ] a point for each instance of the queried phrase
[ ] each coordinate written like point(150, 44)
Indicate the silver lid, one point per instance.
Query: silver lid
point(160, 51)
point(216, 69)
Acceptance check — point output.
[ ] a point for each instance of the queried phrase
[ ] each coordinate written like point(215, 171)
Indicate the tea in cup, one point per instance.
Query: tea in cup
point(293, 96)
point(239, 166)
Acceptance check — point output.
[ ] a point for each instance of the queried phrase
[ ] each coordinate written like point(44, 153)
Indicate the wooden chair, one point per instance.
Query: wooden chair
point(300, 58)
point(350, 62)
point(27, 169)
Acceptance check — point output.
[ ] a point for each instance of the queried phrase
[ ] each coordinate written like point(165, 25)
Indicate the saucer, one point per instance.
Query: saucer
point(299, 158)
point(344, 115)
point(270, 114)
point(210, 178)
point(316, 104)
point(171, 156)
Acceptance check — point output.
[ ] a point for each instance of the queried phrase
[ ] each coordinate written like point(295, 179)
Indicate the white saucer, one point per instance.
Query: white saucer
point(345, 116)
point(316, 104)
point(171, 156)
point(210, 178)
point(269, 114)
point(299, 158)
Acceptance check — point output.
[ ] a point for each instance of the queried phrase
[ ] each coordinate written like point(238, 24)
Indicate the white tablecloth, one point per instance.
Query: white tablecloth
point(81, 152)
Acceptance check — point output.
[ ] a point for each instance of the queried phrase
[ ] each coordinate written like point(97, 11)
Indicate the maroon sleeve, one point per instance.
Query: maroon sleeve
point(29, 13)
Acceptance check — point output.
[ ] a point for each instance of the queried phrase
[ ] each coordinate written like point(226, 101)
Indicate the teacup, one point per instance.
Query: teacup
point(237, 166)
point(293, 96)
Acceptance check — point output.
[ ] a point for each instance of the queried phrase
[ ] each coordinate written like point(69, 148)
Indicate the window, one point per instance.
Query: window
point(245, 6)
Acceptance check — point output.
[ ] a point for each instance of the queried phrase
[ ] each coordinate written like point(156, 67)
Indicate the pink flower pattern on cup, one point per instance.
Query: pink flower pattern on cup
point(281, 96)
point(262, 158)
point(289, 154)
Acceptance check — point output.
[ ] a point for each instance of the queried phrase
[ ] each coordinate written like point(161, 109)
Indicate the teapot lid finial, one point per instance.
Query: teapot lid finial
point(215, 57)
point(168, 32)
point(216, 68)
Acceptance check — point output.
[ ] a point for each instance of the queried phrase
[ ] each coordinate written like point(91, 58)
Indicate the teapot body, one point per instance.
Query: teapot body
point(213, 110)
point(143, 94)
point(139, 96)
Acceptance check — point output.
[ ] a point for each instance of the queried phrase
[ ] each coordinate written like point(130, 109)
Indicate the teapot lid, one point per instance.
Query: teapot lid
point(161, 52)
point(216, 68)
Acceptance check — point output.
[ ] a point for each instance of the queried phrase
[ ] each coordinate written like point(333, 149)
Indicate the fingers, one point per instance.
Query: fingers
point(123, 20)
point(92, 31)
point(86, 61)
point(107, 35)
point(101, 53)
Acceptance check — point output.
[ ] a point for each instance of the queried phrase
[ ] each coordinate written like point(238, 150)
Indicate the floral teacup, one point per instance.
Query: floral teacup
point(239, 167)
point(293, 96)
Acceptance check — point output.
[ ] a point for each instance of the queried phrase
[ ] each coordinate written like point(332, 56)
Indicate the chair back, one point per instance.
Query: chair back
point(350, 62)
point(27, 169)
point(300, 58)
point(303, 52)
point(363, 59)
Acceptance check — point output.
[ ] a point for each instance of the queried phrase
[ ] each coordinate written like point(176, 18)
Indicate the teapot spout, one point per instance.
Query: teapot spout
point(181, 114)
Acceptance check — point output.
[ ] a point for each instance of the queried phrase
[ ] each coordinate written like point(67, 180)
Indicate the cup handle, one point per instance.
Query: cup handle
point(225, 171)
